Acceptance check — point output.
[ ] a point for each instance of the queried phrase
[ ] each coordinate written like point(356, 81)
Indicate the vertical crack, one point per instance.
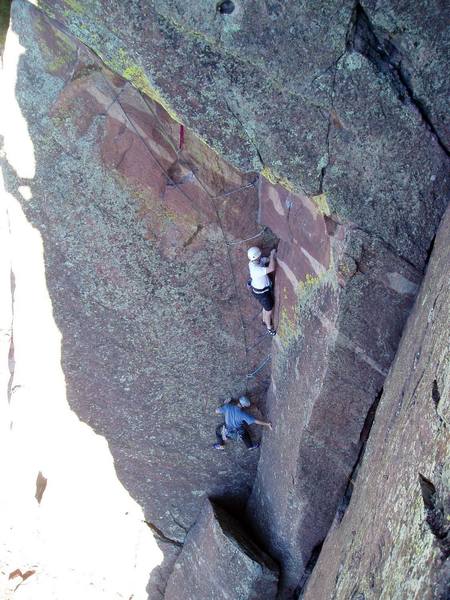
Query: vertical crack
point(252, 142)
point(323, 170)
point(161, 535)
point(364, 436)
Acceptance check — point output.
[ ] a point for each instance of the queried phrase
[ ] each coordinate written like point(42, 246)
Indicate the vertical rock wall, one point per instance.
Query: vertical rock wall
point(343, 298)
point(142, 226)
point(394, 539)
point(219, 560)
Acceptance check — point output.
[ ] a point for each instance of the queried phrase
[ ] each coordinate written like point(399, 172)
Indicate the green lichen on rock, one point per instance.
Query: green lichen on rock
point(123, 64)
point(55, 47)
point(320, 200)
point(76, 6)
point(290, 328)
point(274, 178)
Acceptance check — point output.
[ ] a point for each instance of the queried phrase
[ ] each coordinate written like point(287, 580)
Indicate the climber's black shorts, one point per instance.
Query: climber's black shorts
point(265, 299)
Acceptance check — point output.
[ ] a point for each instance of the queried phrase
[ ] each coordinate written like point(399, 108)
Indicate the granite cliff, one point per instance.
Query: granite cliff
point(145, 146)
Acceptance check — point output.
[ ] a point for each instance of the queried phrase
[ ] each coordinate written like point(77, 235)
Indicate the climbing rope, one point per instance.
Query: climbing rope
point(249, 238)
point(260, 367)
point(212, 199)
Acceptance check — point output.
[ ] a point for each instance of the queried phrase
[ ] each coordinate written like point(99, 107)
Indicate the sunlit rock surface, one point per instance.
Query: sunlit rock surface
point(219, 561)
point(394, 538)
point(68, 527)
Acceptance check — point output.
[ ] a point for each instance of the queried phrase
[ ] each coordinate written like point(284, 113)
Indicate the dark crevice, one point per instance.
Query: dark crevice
point(430, 250)
point(428, 491)
point(301, 588)
point(5, 10)
point(363, 437)
point(435, 394)
point(192, 237)
point(435, 514)
point(436, 397)
point(161, 536)
point(226, 7)
point(388, 61)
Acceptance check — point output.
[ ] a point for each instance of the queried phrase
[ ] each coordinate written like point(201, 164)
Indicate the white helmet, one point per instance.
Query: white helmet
point(253, 253)
point(244, 401)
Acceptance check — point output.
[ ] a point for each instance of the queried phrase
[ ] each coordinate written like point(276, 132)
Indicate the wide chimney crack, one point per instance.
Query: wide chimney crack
point(388, 61)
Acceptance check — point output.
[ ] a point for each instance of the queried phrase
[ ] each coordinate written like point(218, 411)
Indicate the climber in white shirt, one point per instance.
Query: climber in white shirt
point(260, 283)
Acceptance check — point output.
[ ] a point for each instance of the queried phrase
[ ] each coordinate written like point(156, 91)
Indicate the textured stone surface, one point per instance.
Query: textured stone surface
point(394, 539)
point(220, 562)
point(303, 92)
point(343, 298)
point(419, 35)
point(149, 296)
point(385, 171)
point(137, 269)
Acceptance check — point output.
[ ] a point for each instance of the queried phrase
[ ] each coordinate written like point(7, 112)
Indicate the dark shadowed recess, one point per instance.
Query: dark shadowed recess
point(5, 9)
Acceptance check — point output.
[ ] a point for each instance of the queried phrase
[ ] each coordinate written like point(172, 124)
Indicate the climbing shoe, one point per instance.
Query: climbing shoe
point(271, 331)
point(255, 446)
point(219, 447)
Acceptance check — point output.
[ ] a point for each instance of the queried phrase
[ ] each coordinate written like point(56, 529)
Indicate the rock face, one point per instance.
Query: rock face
point(343, 299)
point(145, 230)
point(144, 268)
point(394, 539)
point(219, 562)
point(341, 98)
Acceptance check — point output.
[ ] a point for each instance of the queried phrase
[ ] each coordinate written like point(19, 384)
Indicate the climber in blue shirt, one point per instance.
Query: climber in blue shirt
point(235, 426)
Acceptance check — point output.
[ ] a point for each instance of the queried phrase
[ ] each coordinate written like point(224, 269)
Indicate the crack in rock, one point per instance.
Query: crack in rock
point(387, 59)
point(161, 535)
point(252, 142)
